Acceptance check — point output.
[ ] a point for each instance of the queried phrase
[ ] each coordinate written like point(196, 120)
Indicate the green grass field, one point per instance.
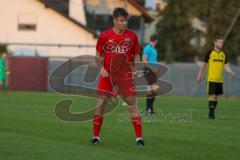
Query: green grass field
point(29, 130)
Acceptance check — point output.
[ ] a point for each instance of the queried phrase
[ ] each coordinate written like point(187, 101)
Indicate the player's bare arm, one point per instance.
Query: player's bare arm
point(136, 61)
point(228, 69)
point(145, 61)
point(201, 71)
point(136, 64)
point(99, 61)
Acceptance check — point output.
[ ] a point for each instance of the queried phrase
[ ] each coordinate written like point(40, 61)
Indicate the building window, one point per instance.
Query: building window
point(27, 22)
point(27, 27)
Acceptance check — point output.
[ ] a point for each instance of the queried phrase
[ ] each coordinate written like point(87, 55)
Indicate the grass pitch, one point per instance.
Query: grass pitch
point(29, 130)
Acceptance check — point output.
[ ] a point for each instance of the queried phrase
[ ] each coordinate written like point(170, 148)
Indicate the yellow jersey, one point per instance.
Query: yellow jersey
point(216, 61)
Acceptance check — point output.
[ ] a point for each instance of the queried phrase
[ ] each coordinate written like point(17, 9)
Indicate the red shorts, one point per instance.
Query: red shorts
point(114, 86)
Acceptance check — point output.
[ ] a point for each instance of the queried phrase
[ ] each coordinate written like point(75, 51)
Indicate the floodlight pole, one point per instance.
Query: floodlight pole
point(231, 26)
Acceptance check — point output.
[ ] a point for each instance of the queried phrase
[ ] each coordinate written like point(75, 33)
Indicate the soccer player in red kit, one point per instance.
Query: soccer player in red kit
point(121, 43)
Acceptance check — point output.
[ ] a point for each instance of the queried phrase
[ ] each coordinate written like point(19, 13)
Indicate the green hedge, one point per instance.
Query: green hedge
point(3, 48)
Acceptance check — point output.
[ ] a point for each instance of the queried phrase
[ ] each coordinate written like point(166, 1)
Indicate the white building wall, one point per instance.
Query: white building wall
point(52, 28)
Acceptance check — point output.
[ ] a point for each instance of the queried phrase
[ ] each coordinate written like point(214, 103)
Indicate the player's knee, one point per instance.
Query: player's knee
point(101, 101)
point(132, 109)
point(130, 101)
point(212, 97)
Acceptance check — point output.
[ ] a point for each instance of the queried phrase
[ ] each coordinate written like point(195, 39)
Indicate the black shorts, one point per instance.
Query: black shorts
point(150, 76)
point(215, 88)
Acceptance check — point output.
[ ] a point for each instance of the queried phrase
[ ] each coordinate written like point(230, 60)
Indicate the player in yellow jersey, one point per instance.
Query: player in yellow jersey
point(216, 61)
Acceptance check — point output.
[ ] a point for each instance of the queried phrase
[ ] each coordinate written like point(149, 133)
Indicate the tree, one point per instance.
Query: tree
point(221, 16)
point(175, 27)
point(3, 48)
point(175, 31)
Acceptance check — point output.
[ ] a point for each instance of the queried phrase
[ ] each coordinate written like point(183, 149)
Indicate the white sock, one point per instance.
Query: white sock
point(97, 138)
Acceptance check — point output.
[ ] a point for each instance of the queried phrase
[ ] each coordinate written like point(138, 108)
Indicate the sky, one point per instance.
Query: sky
point(150, 3)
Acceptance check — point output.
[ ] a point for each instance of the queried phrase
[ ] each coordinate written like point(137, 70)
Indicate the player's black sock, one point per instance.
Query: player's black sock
point(215, 104)
point(214, 108)
point(153, 94)
point(148, 101)
point(211, 105)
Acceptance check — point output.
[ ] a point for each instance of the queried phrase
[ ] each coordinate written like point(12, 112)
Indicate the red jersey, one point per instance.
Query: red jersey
point(111, 43)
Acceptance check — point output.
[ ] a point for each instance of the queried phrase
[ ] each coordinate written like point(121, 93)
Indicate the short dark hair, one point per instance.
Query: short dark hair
point(120, 12)
point(153, 37)
point(217, 38)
